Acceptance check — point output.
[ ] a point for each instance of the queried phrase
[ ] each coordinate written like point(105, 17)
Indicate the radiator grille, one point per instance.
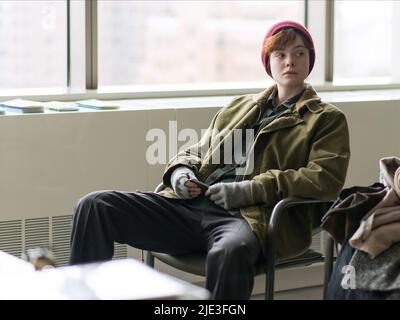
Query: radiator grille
point(317, 242)
point(120, 251)
point(16, 236)
point(11, 237)
point(37, 233)
point(61, 231)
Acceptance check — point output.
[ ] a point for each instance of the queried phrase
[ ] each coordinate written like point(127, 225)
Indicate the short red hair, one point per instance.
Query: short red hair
point(283, 38)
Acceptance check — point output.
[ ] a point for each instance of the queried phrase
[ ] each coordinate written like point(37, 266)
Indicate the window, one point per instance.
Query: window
point(180, 48)
point(185, 42)
point(33, 44)
point(366, 36)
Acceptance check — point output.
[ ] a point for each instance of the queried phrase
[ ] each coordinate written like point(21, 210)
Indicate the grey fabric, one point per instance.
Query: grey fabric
point(381, 273)
point(231, 195)
point(342, 283)
point(178, 178)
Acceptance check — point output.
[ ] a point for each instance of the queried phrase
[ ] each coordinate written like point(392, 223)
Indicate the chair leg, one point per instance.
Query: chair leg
point(149, 259)
point(269, 283)
point(270, 267)
point(270, 271)
point(328, 265)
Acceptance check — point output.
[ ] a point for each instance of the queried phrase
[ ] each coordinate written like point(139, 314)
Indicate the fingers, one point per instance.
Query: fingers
point(190, 184)
point(195, 193)
point(211, 191)
point(215, 193)
point(216, 197)
point(193, 189)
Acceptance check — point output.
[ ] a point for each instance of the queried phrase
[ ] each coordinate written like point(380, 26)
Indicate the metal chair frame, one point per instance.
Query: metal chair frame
point(271, 263)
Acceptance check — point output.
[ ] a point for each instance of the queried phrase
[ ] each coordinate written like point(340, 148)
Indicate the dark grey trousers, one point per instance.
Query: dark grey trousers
point(149, 221)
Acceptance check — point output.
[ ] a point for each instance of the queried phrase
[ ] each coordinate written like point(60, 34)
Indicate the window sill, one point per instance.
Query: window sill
point(129, 100)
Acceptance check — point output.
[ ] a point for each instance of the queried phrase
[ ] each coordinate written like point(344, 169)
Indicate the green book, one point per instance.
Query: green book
point(97, 104)
point(62, 106)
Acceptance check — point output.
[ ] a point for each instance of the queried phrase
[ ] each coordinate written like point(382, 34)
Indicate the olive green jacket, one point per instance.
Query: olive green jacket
point(304, 152)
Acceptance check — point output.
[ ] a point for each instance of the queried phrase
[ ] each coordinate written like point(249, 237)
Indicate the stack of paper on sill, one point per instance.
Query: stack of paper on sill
point(97, 104)
point(22, 106)
point(61, 106)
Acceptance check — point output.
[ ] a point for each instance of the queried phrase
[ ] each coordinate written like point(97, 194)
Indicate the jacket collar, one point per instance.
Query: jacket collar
point(309, 99)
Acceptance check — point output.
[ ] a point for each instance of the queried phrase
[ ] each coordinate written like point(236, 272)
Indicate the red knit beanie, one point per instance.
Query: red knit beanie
point(278, 27)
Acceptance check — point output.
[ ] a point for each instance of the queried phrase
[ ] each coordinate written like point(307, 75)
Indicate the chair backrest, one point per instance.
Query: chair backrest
point(159, 187)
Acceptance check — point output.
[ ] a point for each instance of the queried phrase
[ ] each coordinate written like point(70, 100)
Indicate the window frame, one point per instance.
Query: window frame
point(83, 73)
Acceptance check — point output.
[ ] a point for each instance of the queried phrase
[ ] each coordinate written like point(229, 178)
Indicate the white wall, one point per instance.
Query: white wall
point(48, 161)
point(374, 133)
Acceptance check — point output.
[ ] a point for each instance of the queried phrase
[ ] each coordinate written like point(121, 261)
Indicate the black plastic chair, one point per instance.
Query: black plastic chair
point(195, 263)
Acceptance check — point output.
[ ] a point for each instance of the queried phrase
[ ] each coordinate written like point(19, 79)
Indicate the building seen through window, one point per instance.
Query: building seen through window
point(180, 42)
point(33, 44)
point(366, 42)
point(201, 44)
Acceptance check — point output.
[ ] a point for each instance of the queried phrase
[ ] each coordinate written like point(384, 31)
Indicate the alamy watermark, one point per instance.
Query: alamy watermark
point(349, 278)
point(225, 147)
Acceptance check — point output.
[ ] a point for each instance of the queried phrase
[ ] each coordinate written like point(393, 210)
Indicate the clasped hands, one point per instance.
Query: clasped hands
point(228, 195)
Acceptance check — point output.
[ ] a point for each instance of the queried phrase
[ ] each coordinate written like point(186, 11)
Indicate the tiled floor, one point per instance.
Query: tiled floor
point(312, 293)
